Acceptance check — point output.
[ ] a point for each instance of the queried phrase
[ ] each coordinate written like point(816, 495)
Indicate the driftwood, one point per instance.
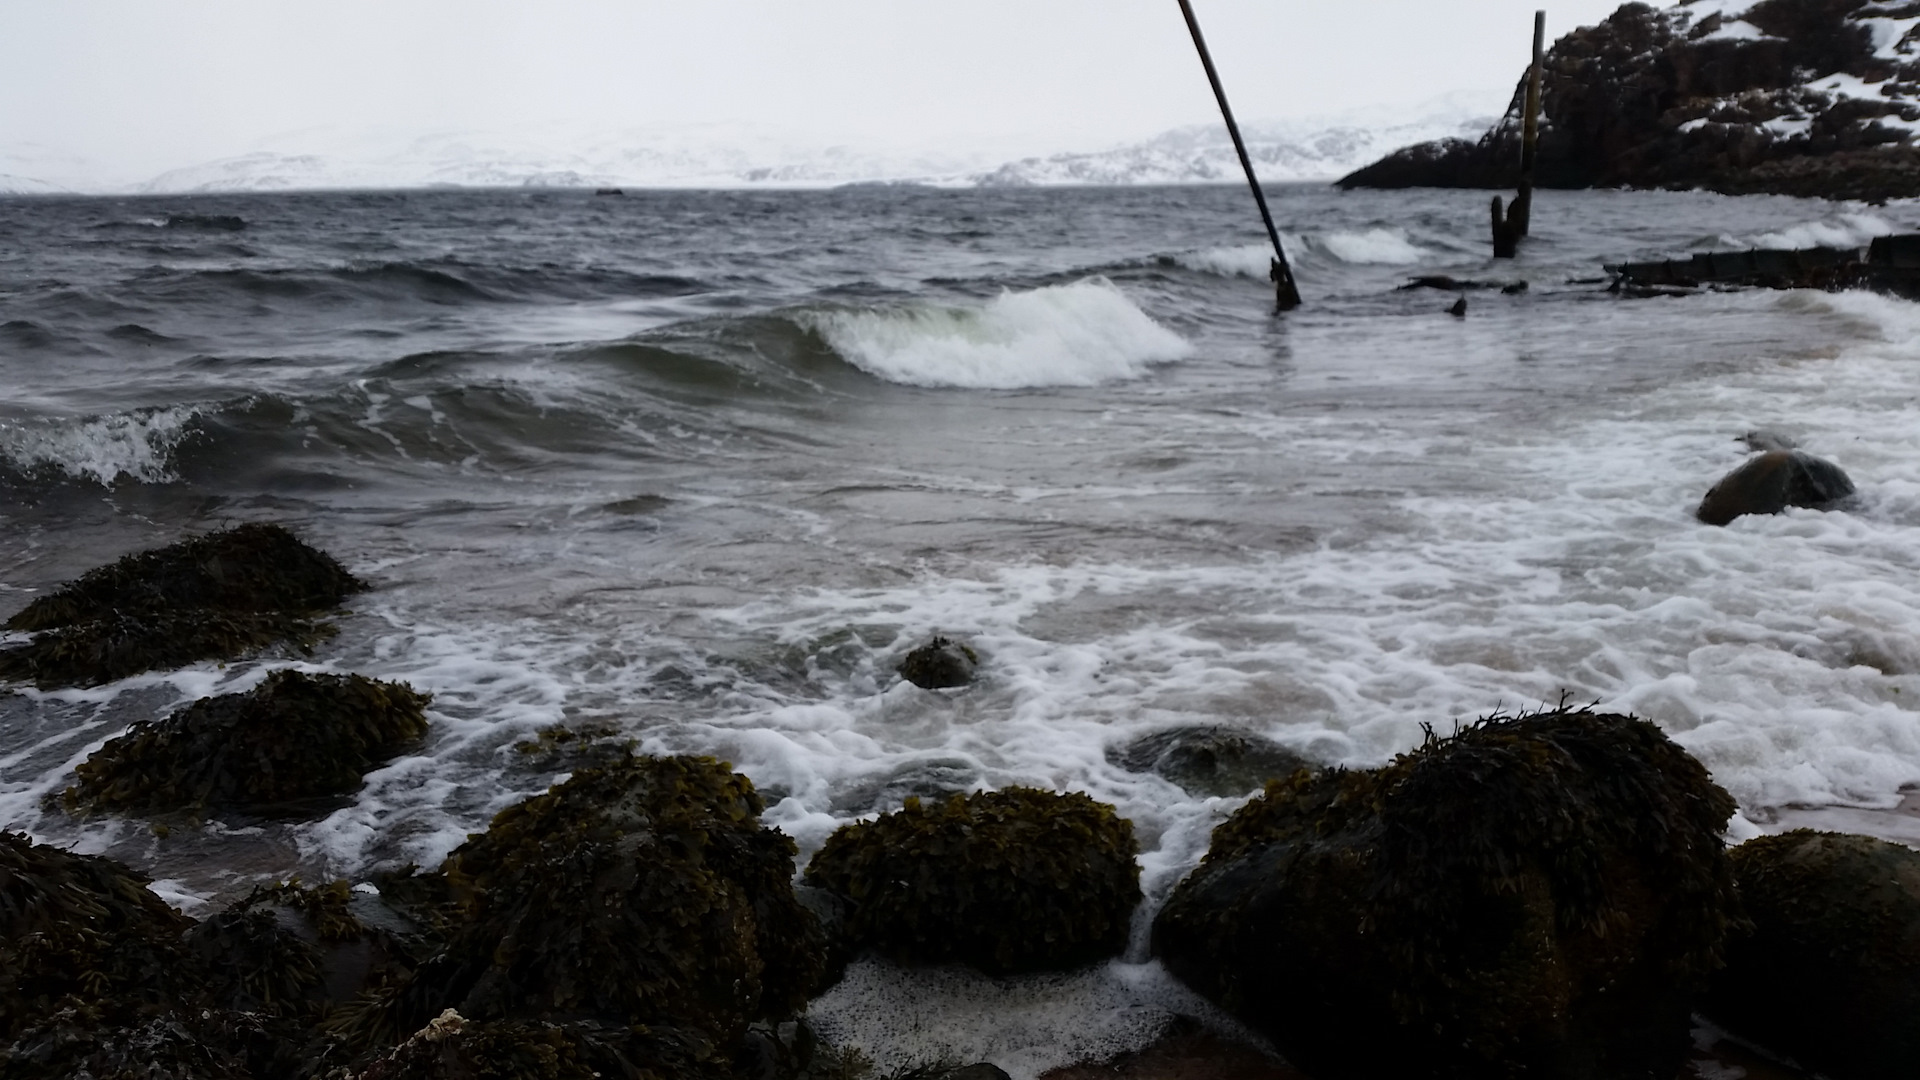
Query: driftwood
point(1890, 264)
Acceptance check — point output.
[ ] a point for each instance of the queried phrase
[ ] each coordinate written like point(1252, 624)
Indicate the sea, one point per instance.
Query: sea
point(697, 468)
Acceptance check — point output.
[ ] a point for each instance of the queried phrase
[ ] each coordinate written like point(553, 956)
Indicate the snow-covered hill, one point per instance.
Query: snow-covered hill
point(743, 155)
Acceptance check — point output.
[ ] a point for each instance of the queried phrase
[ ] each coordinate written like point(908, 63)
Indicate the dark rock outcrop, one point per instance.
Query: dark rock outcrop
point(1686, 96)
point(1208, 760)
point(646, 892)
point(1006, 881)
point(1773, 481)
point(79, 932)
point(1830, 973)
point(211, 597)
point(1536, 895)
point(940, 664)
point(277, 748)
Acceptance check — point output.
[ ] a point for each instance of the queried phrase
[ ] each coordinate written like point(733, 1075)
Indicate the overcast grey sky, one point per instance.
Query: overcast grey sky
point(142, 84)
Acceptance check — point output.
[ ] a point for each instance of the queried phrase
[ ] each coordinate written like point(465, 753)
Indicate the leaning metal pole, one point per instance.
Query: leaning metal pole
point(1286, 295)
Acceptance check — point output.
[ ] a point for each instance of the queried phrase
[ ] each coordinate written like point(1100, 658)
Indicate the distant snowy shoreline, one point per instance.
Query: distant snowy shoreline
point(740, 156)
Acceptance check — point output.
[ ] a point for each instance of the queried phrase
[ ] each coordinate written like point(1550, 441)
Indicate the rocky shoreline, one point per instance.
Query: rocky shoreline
point(1810, 98)
point(1540, 894)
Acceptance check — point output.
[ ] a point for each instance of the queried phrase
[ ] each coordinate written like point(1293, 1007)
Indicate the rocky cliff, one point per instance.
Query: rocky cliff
point(1795, 97)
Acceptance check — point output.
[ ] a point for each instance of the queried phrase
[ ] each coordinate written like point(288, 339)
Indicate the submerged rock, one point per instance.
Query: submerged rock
point(1006, 881)
point(1535, 895)
point(1209, 760)
point(940, 664)
point(645, 892)
point(1830, 973)
point(296, 737)
point(210, 597)
point(1773, 481)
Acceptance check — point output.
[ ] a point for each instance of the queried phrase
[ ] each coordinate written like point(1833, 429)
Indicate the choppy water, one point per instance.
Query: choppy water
point(702, 466)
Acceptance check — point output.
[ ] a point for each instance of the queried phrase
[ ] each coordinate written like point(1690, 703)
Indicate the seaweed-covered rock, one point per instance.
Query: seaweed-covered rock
point(451, 1047)
point(212, 596)
point(1007, 881)
point(1210, 760)
point(293, 738)
point(116, 646)
point(644, 892)
point(1535, 895)
point(257, 567)
point(1831, 971)
point(1772, 481)
point(84, 933)
point(940, 664)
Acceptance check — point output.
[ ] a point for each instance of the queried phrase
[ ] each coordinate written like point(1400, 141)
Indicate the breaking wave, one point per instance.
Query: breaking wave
point(1081, 334)
point(137, 445)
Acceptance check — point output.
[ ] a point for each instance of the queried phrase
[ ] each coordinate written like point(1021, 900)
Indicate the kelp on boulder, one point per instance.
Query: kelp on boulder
point(644, 892)
point(1006, 881)
point(1538, 894)
point(79, 932)
point(1830, 973)
point(293, 738)
point(212, 596)
point(255, 567)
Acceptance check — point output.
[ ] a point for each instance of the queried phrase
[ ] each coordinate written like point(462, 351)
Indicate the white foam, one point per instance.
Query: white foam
point(1384, 247)
point(1843, 230)
point(1026, 1025)
point(137, 445)
point(1247, 260)
point(1081, 334)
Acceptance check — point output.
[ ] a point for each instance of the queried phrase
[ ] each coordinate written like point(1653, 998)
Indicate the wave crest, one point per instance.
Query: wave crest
point(138, 445)
point(1081, 334)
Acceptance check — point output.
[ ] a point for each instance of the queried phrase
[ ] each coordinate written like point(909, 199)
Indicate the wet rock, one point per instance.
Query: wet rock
point(211, 597)
point(451, 1047)
point(102, 650)
point(1006, 881)
point(79, 932)
point(259, 567)
point(645, 893)
point(1535, 895)
point(1830, 973)
point(293, 739)
point(940, 664)
point(1773, 481)
point(1211, 760)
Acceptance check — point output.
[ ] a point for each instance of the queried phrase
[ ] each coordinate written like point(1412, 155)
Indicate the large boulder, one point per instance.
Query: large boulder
point(1739, 98)
point(1535, 895)
point(645, 892)
point(294, 739)
point(79, 932)
point(1769, 482)
point(1006, 881)
point(210, 597)
point(1830, 973)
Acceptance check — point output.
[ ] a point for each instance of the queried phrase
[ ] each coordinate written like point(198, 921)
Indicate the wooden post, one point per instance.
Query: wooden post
point(1530, 130)
point(1517, 221)
point(1286, 295)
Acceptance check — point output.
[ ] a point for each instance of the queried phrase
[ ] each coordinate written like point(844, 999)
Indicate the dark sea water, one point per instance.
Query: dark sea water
point(702, 466)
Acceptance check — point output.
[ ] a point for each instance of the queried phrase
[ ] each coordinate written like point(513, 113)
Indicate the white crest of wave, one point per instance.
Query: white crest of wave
point(1838, 231)
point(1388, 247)
point(1081, 334)
point(1367, 247)
point(138, 444)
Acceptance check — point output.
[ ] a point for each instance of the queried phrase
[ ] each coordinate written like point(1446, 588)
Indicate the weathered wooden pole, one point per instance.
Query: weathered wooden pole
point(1510, 226)
point(1530, 130)
point(1286, 295)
